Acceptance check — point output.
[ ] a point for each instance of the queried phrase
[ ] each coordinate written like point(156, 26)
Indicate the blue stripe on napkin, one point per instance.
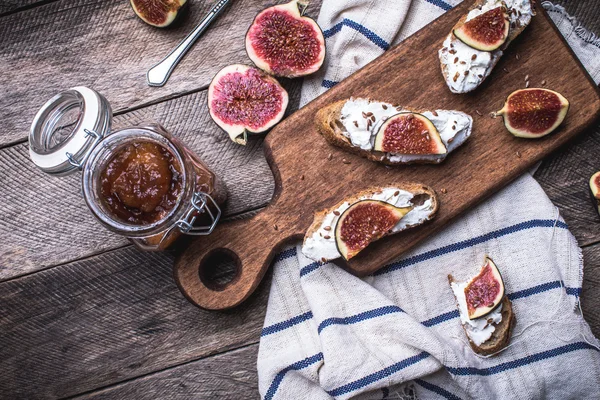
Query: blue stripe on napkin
point(521, 361)
point(436, 389)
point(377, 312)
point(286, 324)
point(369, 34)
point(379, 375)
point(308, 361)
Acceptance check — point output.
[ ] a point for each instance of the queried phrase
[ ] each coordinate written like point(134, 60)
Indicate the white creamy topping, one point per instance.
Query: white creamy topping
point(467, 67)
point(454, 127)
point(481, 329)
point(322, 242)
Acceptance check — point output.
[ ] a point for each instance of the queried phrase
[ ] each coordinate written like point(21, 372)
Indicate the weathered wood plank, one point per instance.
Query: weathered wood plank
point(107, 319)
point(46, 222)
point(565, 176)
point(10, 6)
point(102, 44)
point(590, 297)
point(231, 375)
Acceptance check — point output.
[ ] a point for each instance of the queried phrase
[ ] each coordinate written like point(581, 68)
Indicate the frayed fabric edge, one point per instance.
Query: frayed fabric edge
point(581, 32)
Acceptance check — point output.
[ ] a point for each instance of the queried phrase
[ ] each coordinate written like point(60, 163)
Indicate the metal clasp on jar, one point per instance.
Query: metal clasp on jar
point(201, 204)
point(79, 163)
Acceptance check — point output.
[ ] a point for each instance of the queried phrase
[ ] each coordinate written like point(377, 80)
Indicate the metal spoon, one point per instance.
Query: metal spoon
point(158, 74)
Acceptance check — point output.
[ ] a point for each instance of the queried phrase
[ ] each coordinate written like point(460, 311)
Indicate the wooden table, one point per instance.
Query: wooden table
point(82, 312)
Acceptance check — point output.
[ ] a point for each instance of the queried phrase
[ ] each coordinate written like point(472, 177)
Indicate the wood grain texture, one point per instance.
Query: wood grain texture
point(12, 6)
point(590, 295)
point(565, 178)
point(46, 221)
point(489, 160)
point(103, 320)
point(228, 376)
point(104, 45)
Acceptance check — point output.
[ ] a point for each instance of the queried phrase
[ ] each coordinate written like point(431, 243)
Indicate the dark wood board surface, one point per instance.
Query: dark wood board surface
point(121, 361)
point(408, 75)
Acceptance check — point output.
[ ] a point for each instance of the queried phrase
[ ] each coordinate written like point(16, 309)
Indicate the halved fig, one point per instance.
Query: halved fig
point(409, 133)
point(243, 99)
point(485, 291)
point(159, 13)
point(595, 188)
point(485, 32)
point(365, 222)
point(283, 42)
point(533, 113)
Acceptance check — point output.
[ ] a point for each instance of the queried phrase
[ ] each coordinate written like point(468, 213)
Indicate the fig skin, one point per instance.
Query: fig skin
point(494, 16)
point(434, 136)
point(595, 188)
point(522, 102)
point(484, 310)
point(238, 130)
point(396, 213)
point(292, 10)
point(158, 13)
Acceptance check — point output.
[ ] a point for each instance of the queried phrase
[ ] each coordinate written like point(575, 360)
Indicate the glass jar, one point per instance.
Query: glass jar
point(140, 182)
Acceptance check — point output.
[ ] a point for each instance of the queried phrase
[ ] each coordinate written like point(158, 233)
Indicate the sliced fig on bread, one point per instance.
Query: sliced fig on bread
point(485, 311)
point(409, 133)
point(348, 227)
point(475, 44)
point(484, 291)
point(364, 222)
point(486, 32)
point(391, 134)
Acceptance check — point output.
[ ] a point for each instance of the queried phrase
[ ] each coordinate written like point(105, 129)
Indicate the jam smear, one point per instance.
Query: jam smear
point(141, 183)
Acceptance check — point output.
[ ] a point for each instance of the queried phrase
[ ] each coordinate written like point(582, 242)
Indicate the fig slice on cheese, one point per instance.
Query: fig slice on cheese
point(485, 291)
point(409, 133)
point(487, 31)
point(365, 222)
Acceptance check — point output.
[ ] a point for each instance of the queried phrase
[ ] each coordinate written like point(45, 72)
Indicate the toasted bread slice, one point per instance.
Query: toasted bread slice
point(516, 28)
point(502, 333)
point(328, 121)
point(319, 242)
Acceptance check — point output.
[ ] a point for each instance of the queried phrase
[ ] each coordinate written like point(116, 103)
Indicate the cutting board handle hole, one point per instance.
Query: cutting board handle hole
point(219, 268)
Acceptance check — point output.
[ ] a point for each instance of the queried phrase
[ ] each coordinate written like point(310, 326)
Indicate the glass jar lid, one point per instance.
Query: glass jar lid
point(66, 129)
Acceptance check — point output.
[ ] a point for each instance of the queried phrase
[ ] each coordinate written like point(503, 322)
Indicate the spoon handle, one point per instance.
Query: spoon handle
point(159, 74)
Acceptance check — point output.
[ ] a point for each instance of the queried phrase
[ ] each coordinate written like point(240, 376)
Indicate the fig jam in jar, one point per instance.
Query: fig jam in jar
point(140, 182)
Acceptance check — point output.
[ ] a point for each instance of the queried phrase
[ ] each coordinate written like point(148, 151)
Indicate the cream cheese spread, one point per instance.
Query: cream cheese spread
point(479, 330)
point(321, 244)
point(467, 67)
point(454, 127)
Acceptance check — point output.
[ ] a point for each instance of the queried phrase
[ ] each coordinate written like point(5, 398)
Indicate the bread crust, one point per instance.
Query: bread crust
point(326, 121)
point(501, 335)
point(414, 188)
point(512, 34)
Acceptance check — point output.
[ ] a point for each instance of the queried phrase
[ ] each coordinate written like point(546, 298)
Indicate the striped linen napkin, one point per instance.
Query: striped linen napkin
point(396, 334)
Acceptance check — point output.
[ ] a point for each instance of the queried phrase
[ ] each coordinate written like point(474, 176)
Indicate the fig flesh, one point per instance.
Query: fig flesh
point(159, 13)
point(595, 188)
point(533, 113)
point(485, 291)
point(243, 99)
point(365, 222)
point(283, 42)
point(485, 32)
point(409, 133)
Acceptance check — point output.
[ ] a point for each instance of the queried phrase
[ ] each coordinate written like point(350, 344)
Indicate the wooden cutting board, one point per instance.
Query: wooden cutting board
point(409, 74)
